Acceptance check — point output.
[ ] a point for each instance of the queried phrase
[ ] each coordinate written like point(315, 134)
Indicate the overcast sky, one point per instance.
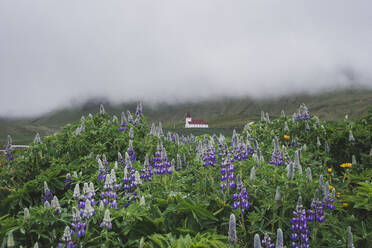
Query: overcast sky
point(53, 52)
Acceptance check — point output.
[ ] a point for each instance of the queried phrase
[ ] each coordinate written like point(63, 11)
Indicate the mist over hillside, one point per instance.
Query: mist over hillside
point(221, 113)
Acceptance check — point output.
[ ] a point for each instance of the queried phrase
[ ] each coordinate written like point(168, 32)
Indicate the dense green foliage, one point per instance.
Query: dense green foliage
point(187, 208)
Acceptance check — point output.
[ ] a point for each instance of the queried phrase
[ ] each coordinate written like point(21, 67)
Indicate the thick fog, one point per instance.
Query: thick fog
point(55, 52)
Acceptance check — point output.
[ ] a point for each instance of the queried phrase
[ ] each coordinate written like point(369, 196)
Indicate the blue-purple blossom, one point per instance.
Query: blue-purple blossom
point(8, 149)
point(131, 152)
point(276, 157)
point(266, 242)
point(227, 173)
point(209, 156)
point(241, 200)
point(299, 227)
point(160, 161)
point(139, 112)
point(146, 173)
point(68, 181)
point(48, 196)
point(106, 223)
point(303, 113)
point(123, 123)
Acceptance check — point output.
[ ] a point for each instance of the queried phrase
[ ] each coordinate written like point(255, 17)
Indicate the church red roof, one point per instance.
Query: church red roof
point(198, 122)
point(188, 115)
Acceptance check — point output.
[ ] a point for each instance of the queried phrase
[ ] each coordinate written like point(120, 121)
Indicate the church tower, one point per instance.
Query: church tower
point(188, 119)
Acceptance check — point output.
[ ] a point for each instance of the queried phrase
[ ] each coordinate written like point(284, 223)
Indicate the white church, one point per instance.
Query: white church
point(194, 123)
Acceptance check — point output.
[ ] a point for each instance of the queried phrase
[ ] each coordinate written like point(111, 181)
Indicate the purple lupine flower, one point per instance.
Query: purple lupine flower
point(241, 200)
point(209, 157)
point(316, 212)
point(106, 223)
point(76, 193)
point(66, 238)
point(222, 148)
point(139, 112)
point(160, 161)
point(131, 152)
point(227, 173)
point(146, 172)
point(123, 123)
point(242, 151)
point(78, 225)
point(55, 205)
point(68, 180)
point(48, 196)
point(130, 117)
point(129, 183)
point(266, 242)
point(103, 167)
point(109, 196)
point(8, 148)
point(88, 210)
point(276, 158)
point(299, 227)
point(303, 113)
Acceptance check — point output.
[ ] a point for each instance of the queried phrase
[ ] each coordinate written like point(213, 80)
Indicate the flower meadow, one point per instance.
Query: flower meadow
point(108, 181)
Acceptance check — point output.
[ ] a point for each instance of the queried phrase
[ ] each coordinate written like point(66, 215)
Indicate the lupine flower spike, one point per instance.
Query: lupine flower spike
point(290, 171)
point(286, 129)
point(106, 223)
point(279, 239)
point(10, 241)
point(309, 175)
point(8, 148)
point(252, 175)
point(276, 158)
point(232, 230)
point(277, 195)
point(326, 147)
point(257, 241)
point(48, 196)
point(266, 242)
point(26, 214)
point(351, 137)
point(101, 109)
point(55, 205)
point(297, 162)
point(299, 227)
point(353, 160)
point(37, 139)
point(350, 240)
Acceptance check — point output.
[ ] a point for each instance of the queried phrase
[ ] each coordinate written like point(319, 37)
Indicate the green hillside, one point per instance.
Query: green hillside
point(222, 114)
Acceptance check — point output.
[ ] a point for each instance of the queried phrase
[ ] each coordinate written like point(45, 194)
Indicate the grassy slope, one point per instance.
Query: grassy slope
point(222, 114)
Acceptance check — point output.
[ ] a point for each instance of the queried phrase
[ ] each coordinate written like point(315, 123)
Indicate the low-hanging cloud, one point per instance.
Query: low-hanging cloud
point(53, 51)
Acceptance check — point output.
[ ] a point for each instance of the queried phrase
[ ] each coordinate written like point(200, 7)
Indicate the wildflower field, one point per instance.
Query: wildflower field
point(294, 181)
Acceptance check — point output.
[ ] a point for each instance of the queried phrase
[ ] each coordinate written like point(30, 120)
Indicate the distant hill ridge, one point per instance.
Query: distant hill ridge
point(225, 113)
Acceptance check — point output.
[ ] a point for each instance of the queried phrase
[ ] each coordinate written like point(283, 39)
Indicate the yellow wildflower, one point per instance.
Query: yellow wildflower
point(331, 187)
point(346, 165)
point(338, 194)
point(287, 137)
point(345, 204)
point(329, 170)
